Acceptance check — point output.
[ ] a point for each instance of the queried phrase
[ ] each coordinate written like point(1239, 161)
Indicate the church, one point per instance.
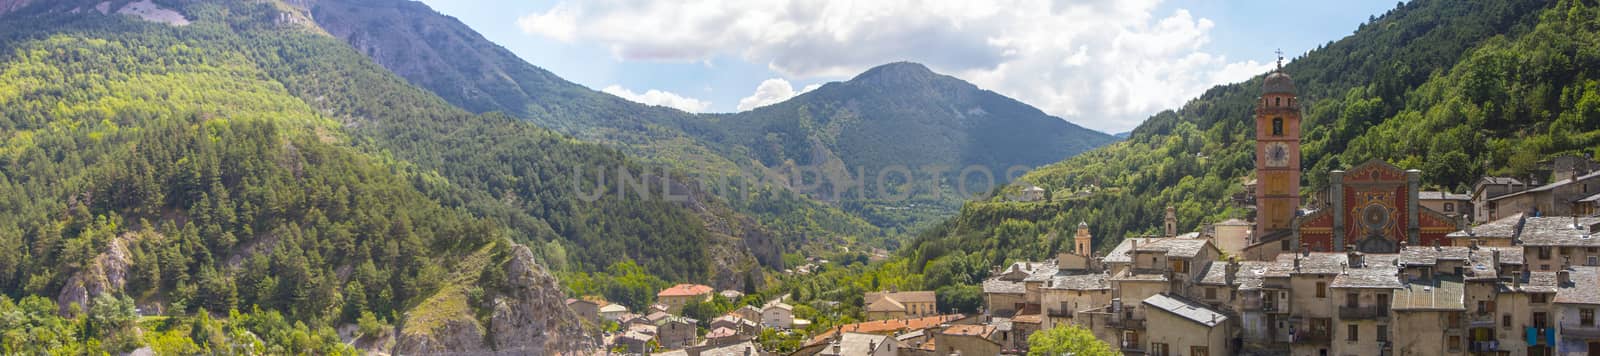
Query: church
point(1372, 207)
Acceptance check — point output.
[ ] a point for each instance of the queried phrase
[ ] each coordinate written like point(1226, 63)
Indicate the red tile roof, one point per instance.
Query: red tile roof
point(887, 326)
point(685, 290)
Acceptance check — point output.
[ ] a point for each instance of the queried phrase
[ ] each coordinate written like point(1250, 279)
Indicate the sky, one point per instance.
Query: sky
point(1102, 64)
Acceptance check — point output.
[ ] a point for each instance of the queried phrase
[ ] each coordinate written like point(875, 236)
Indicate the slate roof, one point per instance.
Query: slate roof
point(1252, 274)
point(614, 308)
point(1313, 263)
point(999, 286)
point(1503, 228)
point(1444, 292)
point(1195, 312)
point(1431, 255)
point(1499, 180)
point(1590, 199)
point(1377, 271)
point(1129, 275)
point(1042, 272)
point(1091, 281)
point(1583, 289)
point(738, 349)
point(1438, 195)
point(858, 344)
point(1559, 231)
point(1174, 247)
point(1215, 273)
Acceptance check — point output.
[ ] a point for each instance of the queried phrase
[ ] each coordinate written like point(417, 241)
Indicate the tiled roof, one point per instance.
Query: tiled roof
point(982, 331)
point(685, 290)
point(1195, 312)
point(885, 305)
point(1028, 319)
point(888, 326)
point(904, 297)
point(1583, 289)
point(1444, 292)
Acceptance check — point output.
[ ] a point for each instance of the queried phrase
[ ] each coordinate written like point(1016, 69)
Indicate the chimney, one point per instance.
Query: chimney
point(748, 350)
point(1233, 269)
point(1474, 244)
point(1296, 263)
point(1354, 258)
point(872, 345)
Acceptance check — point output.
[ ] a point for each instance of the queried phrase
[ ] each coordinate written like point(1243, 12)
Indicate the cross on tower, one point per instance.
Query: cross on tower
point(1280, 58)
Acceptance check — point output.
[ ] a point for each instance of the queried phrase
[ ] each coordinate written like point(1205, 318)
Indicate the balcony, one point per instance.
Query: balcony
point(1580, 332)
point(1059, 313)
point(1484, 346)
point(1364, 312)
point(1311, 338)
point(1127, 324)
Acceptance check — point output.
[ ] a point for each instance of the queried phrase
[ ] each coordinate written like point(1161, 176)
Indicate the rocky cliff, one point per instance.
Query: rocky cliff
point(528, 314)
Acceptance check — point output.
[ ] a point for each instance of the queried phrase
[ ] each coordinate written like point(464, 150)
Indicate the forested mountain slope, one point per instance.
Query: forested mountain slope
point(243, 159)
point(898, 114)
point(1454, 88)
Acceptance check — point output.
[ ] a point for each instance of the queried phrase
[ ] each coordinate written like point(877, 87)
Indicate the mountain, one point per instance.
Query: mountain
point(897, 114)
point(201, 158)
point(1457, 89)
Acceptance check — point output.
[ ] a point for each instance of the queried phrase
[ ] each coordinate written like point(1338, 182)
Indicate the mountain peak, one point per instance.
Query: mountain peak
point(896, 71)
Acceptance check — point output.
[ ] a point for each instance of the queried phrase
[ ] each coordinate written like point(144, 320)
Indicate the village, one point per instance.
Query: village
point(1372, 266)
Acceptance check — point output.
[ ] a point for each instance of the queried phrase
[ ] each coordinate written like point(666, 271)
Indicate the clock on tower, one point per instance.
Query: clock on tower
point(1277, 153)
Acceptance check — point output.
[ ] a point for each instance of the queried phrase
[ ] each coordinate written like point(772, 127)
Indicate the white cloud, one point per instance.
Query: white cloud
point(772, 91)
point(659, 98)
point(1107, 64)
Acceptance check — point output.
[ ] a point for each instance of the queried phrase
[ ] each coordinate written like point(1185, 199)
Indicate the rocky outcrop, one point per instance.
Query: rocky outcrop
point(107, 273)
point(7, 6)
point(530, 317)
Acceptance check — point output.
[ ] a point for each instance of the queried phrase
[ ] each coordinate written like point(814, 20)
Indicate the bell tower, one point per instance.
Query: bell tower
point(1084, 243)
point(1277, 153)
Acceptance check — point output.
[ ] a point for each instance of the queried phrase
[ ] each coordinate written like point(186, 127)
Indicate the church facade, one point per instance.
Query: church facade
point(1372, 208)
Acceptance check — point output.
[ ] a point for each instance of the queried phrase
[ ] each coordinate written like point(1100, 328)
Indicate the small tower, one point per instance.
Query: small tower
point(1170, 224)
point(1083, 240)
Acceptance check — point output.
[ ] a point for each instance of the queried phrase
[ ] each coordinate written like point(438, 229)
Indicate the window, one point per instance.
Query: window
point(1449, 207)
point(1277, 126)
point(1505, 320)
point(1538, 297)
point(1540, 320)
point(1453, 318)
point(1354, 332)
point(1544, 252)
point(1594, 260)
point(1485, 306)
point(1159, 349)
point(1199, 351)
point(1283, 245)
point(1211, 293)
point(1352, 300)
point(1383, 302)
point(1277, 101)
point(1455, 343)
point(1322, 289)
point(1586, 317)
point(1383, 333)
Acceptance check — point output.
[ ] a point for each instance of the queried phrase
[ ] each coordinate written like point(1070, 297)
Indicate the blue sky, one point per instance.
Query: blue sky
point(1104, 64)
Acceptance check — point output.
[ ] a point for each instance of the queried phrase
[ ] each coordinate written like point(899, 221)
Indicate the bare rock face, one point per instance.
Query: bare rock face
point(533, 318)
point(530, 318)
point(7, 6)
point(107, 273)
